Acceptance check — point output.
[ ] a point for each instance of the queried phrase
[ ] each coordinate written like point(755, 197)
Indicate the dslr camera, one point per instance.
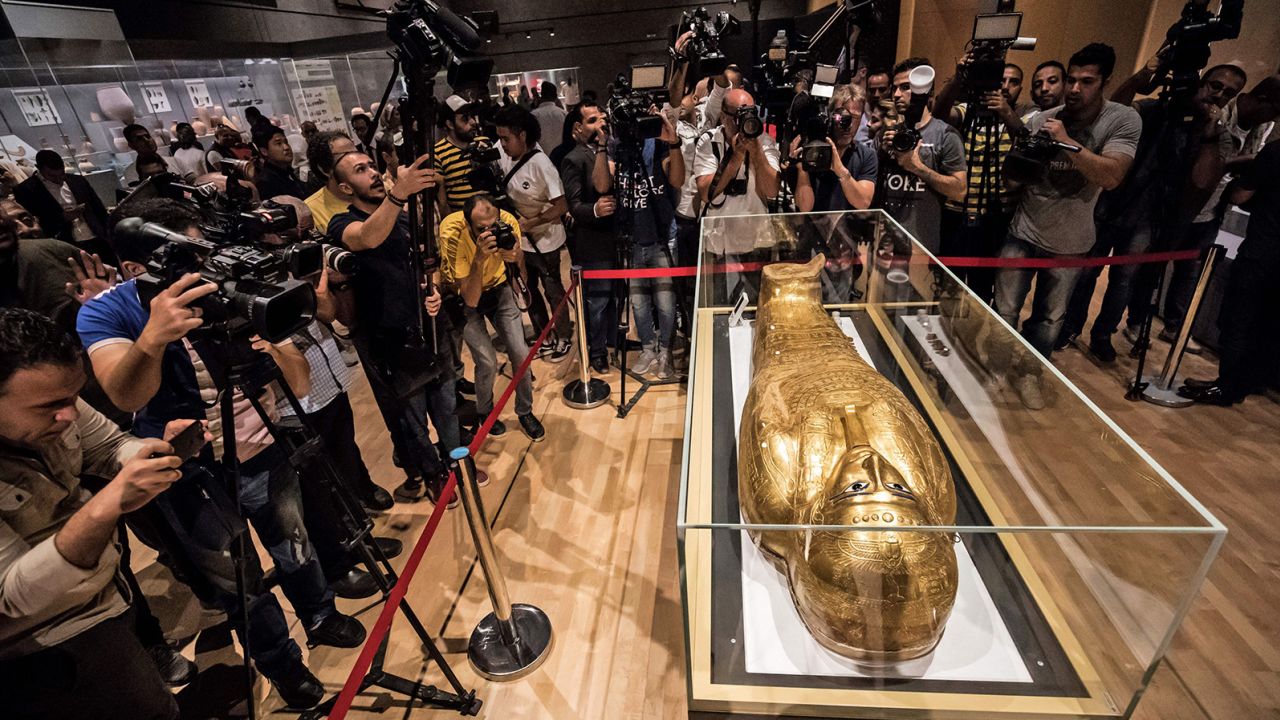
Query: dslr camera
point(707, 30)
point(504, 235)
point(815, 152)
point(749, 121)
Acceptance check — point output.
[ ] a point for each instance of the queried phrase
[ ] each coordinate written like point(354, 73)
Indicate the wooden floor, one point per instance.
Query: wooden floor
point(584, 525)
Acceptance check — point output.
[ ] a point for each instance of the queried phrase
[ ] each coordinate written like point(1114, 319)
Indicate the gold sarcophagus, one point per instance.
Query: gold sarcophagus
point(826, 440)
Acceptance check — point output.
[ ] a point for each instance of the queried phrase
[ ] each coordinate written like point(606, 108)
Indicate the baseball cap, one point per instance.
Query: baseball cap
point(456, 103)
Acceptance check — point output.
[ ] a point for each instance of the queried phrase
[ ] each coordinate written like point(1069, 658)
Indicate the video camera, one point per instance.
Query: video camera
point(628, 109)
point(1029, 158)
point(994, 35)
point(1186, 45)
point(704, 45)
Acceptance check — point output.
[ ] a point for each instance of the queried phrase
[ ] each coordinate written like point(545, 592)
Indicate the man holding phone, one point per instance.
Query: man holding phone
point(67, 648)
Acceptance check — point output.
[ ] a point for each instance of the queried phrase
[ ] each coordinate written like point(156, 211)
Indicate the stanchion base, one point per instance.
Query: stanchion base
point(1157, 395)
point(494, 660)
point(411, 490)
point(584, 397)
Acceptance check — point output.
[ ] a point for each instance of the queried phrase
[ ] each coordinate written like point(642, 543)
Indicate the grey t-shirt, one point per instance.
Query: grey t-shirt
point(916, 206)
point(1056, 213)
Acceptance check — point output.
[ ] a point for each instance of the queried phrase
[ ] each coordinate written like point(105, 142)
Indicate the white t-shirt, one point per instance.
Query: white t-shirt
point(551, 121)
point(531, 191)
point(189, 162)
point(734, 236)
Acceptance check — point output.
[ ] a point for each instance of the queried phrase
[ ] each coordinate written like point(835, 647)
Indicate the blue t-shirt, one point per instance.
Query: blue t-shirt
point(861, 163)
point(117, 315)
point(643, 202)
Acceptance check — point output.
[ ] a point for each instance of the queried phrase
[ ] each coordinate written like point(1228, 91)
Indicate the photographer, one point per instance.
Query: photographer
point(276, 175)
point(850, 182)
point(479, 246)
point(1048, 84)
point(1174, 160)
point(642, 174)
point(741, 168)
point(977, 225)
point(409, 382)
point(533, 187)
point(67, 647)
point(461, 125)
point(147, 364)
point(916, 182)
point(594, 245)
point(1054, 214)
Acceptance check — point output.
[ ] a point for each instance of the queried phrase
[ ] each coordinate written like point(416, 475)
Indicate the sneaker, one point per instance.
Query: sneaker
point(600, 366)
point(337, 630)
point(1194, 347)
point(533, 427)
point(1133, 334)
point(499, 428)
point(645, 362)
point(433, 494)
point(662, 368)
point(175, 670)
point(559, 350)
point(1102, 349)
point(1065, 340)
point(1168, 334)
point(1029, 391)
point(299, 688)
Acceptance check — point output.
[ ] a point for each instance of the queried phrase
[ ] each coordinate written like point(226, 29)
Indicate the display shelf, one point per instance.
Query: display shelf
point(1077, 555)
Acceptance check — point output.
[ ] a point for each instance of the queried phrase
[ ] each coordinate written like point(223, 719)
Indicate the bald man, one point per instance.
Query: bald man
point(737, 175)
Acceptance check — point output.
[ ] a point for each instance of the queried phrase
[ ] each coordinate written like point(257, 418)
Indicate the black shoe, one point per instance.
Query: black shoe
point(1065, 340)
point(375, 499)
point(499, 429)
point(337, 630)
point(354, 584)
point(175, 670)
point(1101, 348)
point(465, 387)
point(1211, 395)
point(532, 427)
point(390, 547)
point(600, 365)
point(299, 688)
point(1195, 384)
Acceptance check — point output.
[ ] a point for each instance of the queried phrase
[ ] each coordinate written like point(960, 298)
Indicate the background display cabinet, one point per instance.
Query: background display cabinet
point(807, 594)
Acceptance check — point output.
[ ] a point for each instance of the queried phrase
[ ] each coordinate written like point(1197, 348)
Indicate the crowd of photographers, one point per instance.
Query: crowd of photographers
point(969, 169)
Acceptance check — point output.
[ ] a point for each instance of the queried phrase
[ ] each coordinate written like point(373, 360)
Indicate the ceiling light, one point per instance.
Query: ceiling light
point(553, 32)
point(528, 35)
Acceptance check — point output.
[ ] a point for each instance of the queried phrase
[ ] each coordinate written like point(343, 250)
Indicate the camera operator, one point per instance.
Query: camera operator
point(533, 186)
point(1054, 214)
point(409, 383)
point(322, 152)
point(461, 124)
point(916, 182)
point(479, 246)
point(276, 176)
point(594, 245)
point(850, 182)
point(642, 174)
point(1174, 160)
point(148, 365)
point(977, 225)
point(67, 648)
point(1048, 84)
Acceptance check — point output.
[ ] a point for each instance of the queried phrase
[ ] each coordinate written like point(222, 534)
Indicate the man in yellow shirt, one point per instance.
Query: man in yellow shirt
point(479, 268)
point(323, 153)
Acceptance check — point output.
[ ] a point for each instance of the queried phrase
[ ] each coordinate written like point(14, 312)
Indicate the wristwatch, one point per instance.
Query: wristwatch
point(674, 145)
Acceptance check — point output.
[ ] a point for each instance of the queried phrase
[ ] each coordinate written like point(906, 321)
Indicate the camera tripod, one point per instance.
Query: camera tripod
point(305, 449)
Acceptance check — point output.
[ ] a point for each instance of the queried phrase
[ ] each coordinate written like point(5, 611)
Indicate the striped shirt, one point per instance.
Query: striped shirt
point(450, 162)
point(977, 140)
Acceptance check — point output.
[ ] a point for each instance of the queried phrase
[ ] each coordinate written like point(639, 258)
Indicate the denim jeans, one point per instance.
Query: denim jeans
point(601, 311)
point(406, 415)
point(1112, 240)
point(209, 536)
point(646, 293)
point(1053, 291)
point(544, 273)
point(498, 306)
point(1198, 236)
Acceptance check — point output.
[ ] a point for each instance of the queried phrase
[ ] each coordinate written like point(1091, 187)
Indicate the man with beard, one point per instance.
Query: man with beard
point(1053, 218)
point(1048, 85)
point(1174, 158)
point(408, 381)
point(461, 128)
point(188, 153)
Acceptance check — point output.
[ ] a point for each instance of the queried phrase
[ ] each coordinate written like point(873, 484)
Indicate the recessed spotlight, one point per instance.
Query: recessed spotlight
point(528, 35)
point(552, 33)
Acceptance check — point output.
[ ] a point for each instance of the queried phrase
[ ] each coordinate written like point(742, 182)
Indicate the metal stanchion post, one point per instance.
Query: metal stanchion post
point(1160, 390)
point(585, 392)
point(513, 640)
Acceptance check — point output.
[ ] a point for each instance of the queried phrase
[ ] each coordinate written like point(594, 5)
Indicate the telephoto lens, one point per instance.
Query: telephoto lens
point(339, 260)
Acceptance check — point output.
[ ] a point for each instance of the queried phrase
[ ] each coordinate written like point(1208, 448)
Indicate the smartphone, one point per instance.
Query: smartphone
point(188, 442)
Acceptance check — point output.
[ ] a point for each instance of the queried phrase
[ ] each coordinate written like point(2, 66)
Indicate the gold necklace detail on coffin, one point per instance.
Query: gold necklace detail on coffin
point(827, 440)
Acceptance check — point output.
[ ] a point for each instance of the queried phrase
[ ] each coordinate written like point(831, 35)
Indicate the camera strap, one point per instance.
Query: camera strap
point(506, 179)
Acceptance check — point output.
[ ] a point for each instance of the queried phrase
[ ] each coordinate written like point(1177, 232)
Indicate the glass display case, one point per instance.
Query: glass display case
point(892, 506)
point(565, 80)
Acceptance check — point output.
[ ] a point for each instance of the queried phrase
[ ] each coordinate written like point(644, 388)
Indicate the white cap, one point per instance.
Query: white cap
point(921, 79)
point(456, 102)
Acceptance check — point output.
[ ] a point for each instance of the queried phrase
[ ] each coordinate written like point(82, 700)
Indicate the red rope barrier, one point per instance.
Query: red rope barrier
point(949, 261)
point(383, 624)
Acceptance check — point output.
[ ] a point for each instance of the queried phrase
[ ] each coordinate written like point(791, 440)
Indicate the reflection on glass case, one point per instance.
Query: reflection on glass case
point(891, 506)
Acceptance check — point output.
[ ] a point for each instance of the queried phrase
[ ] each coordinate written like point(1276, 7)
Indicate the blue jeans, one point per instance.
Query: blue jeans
point(600, 313)
point(209, 534)
point(497, 305)
point(406, 415)
point(1112, 240)
point(649, 292)
point(1053, 291)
